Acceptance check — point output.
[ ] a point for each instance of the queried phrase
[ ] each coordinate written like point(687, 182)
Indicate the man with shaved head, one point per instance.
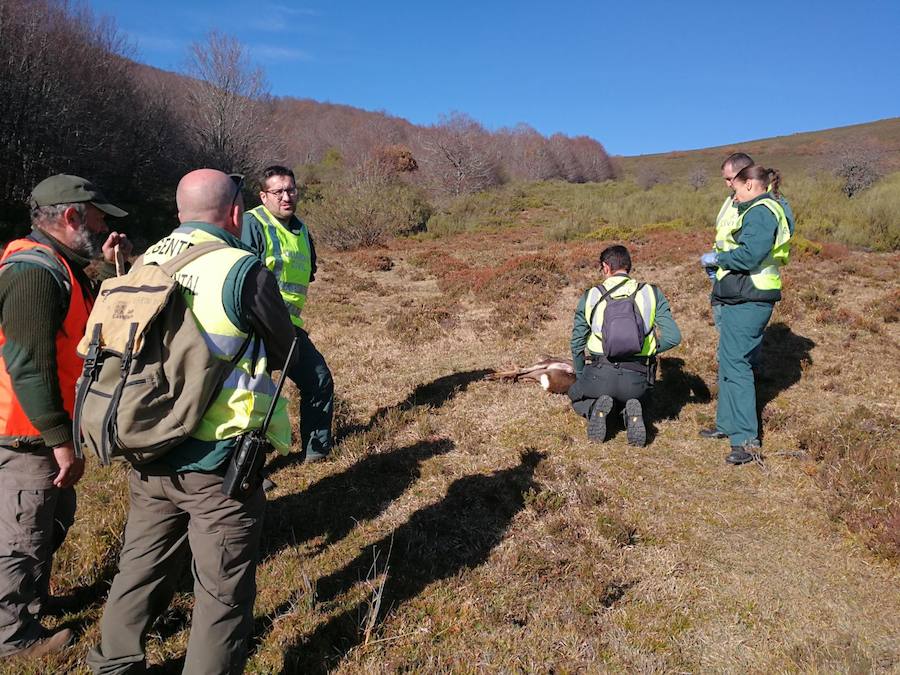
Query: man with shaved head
point(177, 501)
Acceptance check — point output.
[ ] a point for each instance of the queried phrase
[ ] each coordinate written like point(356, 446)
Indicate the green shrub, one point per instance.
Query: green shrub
point(365, 212)
point(801, 246)
point(612, 233)
point(622, 210)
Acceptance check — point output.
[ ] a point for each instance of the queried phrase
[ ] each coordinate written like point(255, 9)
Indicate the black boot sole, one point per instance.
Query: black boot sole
point(596, 428)
point(634, 423)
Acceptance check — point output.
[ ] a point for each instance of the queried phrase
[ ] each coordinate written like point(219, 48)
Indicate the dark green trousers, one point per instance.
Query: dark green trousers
point(741, 330)
point(167, 514)
point(313, 379)
point(756, 357)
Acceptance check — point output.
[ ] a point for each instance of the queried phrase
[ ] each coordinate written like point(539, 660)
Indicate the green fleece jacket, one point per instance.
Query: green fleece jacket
point(33, 307)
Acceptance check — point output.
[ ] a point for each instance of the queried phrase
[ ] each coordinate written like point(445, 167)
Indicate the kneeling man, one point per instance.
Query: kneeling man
point(621, 325)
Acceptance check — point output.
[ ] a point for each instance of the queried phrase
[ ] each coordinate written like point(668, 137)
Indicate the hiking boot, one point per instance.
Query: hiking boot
point(313, 457)
point(634, 423)
point(712, 433)
point(596, 428)
point(48, 645)
point(743, 453)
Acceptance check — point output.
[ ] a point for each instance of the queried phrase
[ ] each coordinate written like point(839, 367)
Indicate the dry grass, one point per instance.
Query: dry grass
point(504, 541)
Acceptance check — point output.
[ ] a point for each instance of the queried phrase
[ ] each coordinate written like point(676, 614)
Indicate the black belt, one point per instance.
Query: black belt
point(642, 366)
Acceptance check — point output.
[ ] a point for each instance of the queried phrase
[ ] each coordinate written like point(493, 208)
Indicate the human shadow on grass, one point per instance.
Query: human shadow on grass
point(437, 542)
point(332, 506)
point(329, 508)
point(784, 356)
point(433, 394)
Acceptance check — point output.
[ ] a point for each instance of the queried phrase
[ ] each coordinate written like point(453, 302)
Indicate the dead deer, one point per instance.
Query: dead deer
point(554, 374)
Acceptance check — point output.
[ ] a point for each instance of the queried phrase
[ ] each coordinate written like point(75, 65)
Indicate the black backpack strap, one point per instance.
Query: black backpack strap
point(639, 288)
point(84, 385)
point(603, 296)
point(108, 439)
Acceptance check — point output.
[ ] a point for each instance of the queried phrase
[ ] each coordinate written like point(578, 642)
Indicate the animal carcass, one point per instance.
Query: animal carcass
point(554, 374)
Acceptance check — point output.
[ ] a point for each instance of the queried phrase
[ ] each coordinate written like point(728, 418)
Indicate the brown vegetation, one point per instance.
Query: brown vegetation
point(492, 532)
point(860, 470)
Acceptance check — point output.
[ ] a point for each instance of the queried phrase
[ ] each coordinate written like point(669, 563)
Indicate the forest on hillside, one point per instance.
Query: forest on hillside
point(74, 102)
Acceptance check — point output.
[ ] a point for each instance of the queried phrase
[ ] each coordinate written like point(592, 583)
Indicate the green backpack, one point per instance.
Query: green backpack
point(148, 375)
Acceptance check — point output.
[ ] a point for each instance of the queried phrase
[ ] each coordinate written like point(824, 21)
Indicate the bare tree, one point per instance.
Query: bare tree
point(592, 158)
point(459, 156)
point(649, 176)
point(231, 106)
point(568, 161)
point(859, 166)
point(698, 178)
point(526, 154)
point(72, 102)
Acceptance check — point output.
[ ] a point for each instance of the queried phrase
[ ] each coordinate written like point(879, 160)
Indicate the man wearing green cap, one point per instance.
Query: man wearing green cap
point(45, 299)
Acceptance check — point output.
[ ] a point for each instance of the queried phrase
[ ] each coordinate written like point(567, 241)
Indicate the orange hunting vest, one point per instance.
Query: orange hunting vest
point(13, 420)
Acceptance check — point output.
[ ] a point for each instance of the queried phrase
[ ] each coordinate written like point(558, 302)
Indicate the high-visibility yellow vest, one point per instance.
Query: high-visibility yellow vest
point(767, 276)
point(645, 299)
point(725, 221)
point(289, 257)
point(248, 389)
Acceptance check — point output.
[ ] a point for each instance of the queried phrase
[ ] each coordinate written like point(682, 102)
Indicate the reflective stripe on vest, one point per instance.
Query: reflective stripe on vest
point(646, 304)
point(13, 420)
point(289, 256)
point(725, 222)
point(767, 276)
point(248, 389)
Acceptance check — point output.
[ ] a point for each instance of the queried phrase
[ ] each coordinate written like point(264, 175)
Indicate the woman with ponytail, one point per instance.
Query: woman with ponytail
point(747, 259)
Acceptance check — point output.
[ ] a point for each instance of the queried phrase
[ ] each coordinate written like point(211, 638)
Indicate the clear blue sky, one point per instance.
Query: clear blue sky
point(641, 76)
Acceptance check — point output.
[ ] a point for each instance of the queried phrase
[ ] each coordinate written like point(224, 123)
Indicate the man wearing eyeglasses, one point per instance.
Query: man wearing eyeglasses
point(283, 242)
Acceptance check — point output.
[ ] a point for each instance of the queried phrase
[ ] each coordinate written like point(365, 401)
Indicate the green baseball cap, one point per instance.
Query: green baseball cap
point(65, 189)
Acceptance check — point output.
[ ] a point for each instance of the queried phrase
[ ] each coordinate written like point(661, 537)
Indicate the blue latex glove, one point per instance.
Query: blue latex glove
point(710, 259)
point(711, 272)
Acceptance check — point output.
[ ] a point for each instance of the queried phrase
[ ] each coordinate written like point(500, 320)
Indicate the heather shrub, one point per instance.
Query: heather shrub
point(859, 468)
point(421, 322)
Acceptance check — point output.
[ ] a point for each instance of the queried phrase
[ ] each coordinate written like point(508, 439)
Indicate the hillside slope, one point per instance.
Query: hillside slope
point(509, 542)
point(799, 153)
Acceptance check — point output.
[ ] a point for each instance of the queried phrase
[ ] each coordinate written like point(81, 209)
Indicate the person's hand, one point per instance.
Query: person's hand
point(711, 273)
point(710, 259)
point(109, 247)
point(70, 467)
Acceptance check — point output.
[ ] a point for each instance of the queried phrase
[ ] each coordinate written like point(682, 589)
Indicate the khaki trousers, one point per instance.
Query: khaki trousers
point(35, 517)
point(167, 513)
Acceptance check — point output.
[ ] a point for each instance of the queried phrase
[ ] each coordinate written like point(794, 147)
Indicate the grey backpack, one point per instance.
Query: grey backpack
point(148, 375)
point(622, 331)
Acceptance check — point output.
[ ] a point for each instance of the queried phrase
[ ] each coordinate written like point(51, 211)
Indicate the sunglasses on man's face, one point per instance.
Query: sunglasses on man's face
point(238, 180)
